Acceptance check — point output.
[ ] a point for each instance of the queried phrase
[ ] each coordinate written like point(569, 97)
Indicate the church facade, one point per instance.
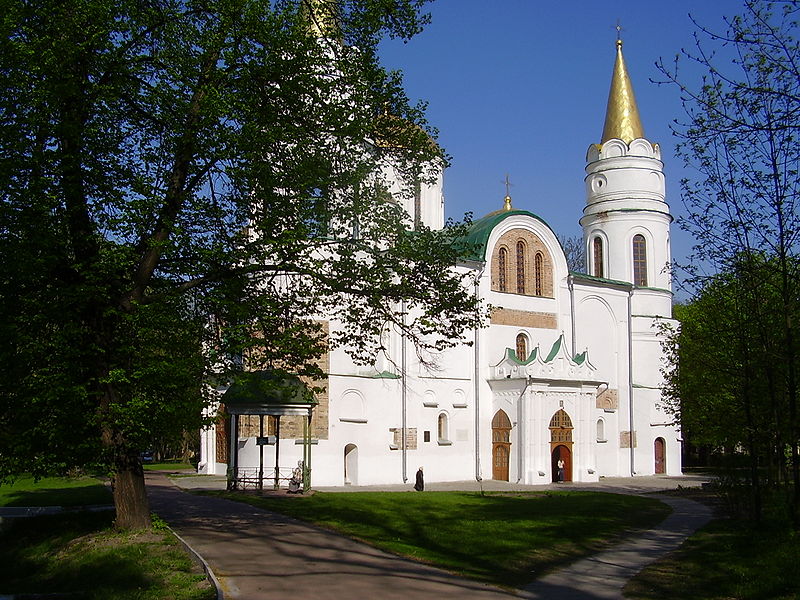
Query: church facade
point(563, 381)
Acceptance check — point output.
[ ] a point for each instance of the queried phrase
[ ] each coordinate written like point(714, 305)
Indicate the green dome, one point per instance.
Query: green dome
point(474, 243)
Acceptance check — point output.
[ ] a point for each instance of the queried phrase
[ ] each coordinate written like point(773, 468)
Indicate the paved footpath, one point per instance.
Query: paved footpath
point(605, 574)
point(258, 555)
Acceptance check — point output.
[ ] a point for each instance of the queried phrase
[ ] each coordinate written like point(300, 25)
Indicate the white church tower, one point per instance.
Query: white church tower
point(626, 219)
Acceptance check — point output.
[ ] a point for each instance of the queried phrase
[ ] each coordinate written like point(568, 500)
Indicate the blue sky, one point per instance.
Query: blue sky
point(520, 87)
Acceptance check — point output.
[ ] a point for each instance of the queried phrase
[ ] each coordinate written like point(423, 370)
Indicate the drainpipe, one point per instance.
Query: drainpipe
point(630, 379)
point(477, 384)
point(404, 392)
point(521, 429)
point(571, 285)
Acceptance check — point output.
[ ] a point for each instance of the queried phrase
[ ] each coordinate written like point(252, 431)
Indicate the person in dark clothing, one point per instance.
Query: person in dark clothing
point(420, 484)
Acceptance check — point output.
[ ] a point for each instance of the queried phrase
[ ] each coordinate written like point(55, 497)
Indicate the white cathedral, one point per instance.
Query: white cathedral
point(568, 368)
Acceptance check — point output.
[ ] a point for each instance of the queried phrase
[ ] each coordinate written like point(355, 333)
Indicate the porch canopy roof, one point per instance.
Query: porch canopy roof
point(268, 393)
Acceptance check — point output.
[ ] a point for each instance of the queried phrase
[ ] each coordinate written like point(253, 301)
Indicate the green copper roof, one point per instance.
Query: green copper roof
point(474, 244)
point(267, 388)
point(512, 354)
point(587, 277)
point(555, 349)
point(386, 375)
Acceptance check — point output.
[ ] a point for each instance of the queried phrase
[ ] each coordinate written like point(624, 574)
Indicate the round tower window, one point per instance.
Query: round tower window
point(598, 182)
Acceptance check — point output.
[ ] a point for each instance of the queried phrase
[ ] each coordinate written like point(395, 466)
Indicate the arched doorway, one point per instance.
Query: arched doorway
point(501, 445)
point(659, 452)
point(561, 452)
point(351, 464)
point(561, 444)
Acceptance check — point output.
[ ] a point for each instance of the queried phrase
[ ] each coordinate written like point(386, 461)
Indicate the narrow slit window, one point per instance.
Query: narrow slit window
point(597, 252)
point(538, 270)
point(639, 260)
point(502, 264)
point(520, 267)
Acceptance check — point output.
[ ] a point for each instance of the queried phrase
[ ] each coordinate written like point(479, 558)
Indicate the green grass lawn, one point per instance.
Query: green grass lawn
point(726, 559)
point(54, 491)
point(169, 466)
point(81, 555)
point(507, 539)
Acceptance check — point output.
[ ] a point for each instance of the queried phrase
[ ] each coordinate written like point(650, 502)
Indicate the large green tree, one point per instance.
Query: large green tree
point(727, 386)
point(743, 207)
point(186, 182)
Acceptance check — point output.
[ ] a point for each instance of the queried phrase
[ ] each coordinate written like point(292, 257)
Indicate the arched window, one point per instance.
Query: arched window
point(502, 264)
point(597, 256)
point(501, 427)
point(601, 430)
point(522, 346)
point(639, 260)
point(538, 272)
point(441, 428)
point(561, 427)
point(520, 267)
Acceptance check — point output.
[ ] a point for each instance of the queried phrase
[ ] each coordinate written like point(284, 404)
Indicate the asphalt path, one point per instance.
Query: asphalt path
point(256, 554)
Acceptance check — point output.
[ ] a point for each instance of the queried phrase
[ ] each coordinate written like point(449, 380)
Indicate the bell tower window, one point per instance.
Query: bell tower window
point(639, 260)
point(597, 256)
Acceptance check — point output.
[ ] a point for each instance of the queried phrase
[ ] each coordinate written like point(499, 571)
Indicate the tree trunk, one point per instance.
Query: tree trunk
point(794, 431)
point(130, 496)
point(751, 427)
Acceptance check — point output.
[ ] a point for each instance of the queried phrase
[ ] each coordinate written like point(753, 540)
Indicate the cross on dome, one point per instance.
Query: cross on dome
point(507, 199)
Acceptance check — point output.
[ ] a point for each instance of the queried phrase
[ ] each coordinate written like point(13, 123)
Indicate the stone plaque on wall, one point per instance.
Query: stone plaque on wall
point(397, 438)
point(608, 399)
point(625, 439)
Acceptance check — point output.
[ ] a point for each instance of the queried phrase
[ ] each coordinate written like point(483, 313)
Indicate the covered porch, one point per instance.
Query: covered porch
point(276, 395)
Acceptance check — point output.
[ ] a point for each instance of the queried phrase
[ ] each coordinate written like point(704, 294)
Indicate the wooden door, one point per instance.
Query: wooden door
point(501, 445)
point(660, 458)
point(500, 461)
point(561, 452)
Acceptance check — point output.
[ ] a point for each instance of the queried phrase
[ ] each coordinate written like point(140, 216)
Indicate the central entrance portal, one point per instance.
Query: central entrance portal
point(561, 446)
point(501, 445)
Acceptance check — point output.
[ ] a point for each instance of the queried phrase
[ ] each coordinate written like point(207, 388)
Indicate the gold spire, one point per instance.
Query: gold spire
point(622, 115)
point(323, 17)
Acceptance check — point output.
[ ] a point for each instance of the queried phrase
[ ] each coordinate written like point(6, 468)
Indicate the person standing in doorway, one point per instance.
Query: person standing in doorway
point(560, 470)
point(420, 483)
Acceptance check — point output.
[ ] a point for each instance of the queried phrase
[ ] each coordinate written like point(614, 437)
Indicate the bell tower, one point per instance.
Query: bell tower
point(626, 219)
